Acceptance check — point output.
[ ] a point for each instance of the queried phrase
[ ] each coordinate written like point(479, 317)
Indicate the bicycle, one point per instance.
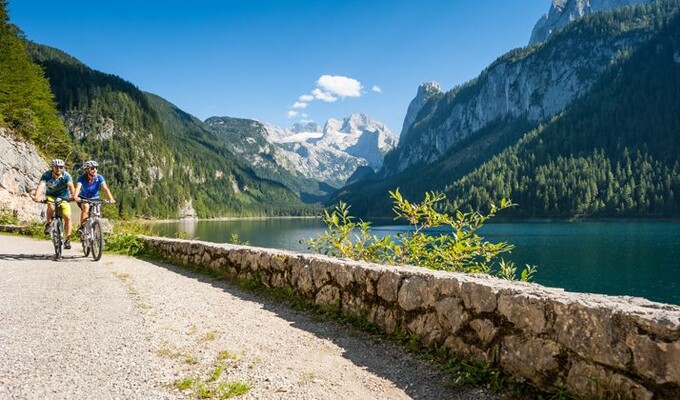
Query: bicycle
point(56, 226)
point(92, 238)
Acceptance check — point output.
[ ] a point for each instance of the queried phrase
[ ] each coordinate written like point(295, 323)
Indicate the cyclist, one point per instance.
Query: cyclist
point(88, 187)
point(57, 183)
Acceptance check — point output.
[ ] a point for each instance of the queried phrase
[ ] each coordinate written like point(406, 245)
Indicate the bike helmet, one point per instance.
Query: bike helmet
point(57, 162)
point(91, 164)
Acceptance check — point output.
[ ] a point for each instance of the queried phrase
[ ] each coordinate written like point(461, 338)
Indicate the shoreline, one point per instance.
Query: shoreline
point(221, 219)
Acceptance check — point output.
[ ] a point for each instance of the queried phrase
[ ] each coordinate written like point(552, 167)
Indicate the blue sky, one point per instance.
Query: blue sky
point(257, 59)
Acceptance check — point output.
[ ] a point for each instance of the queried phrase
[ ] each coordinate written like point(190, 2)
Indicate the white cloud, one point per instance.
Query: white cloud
point(376, 89)
point(305, 116)
point(340, 86)
point(325, 96)
point(329, 89)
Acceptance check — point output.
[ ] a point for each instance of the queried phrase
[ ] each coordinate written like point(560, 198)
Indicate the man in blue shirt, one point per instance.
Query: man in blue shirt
point(57, 183)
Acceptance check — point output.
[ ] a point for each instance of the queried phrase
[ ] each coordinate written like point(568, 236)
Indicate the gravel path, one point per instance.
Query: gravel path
point(127, 328)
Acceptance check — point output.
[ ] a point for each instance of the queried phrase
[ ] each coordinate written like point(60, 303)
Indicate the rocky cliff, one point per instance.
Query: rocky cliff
point(563, 12)
point(20, 168)
point(531, 84)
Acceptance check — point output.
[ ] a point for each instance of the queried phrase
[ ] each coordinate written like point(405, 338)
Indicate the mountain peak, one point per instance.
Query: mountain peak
point(564, 11)
point(425, 92)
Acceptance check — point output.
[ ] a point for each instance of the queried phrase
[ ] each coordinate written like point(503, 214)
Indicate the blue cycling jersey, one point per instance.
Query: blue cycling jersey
point(90, 189)
point(56, 187)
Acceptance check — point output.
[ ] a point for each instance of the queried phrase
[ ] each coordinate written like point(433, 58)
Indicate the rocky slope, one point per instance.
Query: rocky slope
point(563, 12)
point(532, 84)
point(20, 168)
point(328, 155)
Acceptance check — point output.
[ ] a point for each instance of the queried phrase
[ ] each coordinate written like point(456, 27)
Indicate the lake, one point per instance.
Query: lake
point(617, 258)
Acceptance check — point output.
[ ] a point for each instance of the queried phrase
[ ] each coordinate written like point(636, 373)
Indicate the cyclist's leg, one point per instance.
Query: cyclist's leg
point(66, 213)
point(84, 212)
point(50, 212)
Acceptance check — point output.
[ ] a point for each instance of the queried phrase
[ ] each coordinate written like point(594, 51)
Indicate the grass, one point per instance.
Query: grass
point(208, 337)
point(212, 386)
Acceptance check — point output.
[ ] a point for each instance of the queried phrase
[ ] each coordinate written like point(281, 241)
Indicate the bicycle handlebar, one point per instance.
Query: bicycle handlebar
point(45, 201)
point(94, 201)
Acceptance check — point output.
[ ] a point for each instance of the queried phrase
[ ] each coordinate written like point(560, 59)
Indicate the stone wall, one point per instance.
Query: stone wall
point(593, 345)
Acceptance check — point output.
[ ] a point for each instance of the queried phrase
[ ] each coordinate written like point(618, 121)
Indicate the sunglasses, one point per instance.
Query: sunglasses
point(92, 168)
point(59, 167)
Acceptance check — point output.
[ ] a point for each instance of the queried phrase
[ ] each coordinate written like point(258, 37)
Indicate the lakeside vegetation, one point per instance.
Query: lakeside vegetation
point(461, 250)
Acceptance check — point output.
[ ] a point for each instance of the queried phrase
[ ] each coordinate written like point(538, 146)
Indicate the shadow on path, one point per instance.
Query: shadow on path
point(416, 376)
point(49, 257)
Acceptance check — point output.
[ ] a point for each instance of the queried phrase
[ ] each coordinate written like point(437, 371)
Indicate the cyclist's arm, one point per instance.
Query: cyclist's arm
point(108, 192)
point(72, 191)
point(77, 190)
point(38, 190)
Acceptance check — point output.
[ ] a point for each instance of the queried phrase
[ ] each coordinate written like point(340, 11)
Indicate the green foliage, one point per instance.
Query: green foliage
point(26, 103)
point(125, 238)
point(458, 247)
point(235, 239)
point(8, 216)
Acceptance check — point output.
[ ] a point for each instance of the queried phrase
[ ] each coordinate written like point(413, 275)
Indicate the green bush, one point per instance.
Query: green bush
point(459, 248)
point(126, 238)
point(8, 217)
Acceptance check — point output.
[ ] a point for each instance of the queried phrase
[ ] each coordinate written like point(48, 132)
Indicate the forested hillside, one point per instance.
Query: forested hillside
point(27, 105)
point(614, 153)
point(158, 159)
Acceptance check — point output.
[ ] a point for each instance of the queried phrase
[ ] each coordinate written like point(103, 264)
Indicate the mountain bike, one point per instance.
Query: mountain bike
point(56, 226)
point(92, 238)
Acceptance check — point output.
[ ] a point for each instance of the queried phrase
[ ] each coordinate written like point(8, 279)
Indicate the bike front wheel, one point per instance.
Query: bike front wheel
point(97, 241)
point(85, 241)
point(57, 234)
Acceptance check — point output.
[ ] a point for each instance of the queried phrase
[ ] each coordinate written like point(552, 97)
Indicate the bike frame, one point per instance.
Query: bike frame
point(91, 239)
point(57, 226)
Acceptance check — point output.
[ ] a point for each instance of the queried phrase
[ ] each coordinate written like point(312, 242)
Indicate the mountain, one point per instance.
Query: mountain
point(249, 140)
point(310, 160)
point(158, 160)
point(456, 132)
point(615, 152)
point(563, 12)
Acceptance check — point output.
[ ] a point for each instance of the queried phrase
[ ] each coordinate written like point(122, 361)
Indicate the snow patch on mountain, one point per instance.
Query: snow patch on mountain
point(332, 153)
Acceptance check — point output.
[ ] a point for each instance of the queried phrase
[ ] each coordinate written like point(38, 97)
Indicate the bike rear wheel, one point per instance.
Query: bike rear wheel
point(97, 241)
point(57, 229)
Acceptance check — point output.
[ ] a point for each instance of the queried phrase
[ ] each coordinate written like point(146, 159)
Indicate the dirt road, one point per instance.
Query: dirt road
point(133, 329)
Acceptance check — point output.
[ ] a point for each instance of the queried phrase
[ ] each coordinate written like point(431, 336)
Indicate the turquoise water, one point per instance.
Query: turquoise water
point(617, 258)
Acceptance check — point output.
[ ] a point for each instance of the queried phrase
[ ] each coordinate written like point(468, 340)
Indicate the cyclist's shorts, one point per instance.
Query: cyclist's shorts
point(65, 206)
